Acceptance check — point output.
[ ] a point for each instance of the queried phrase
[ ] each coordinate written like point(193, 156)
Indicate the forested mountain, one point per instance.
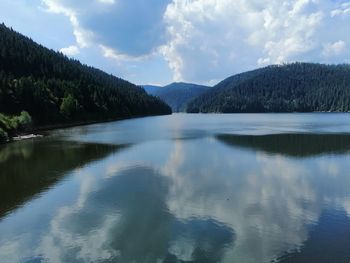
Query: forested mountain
point(177, 94)
point(150, 89)
point(297, 87)
point(55, 89)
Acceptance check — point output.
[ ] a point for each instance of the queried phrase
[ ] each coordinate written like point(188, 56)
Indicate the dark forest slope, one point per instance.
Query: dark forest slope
point(297, 87)
point(56, 89)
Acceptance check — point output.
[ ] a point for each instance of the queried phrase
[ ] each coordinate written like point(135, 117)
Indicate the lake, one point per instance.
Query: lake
point(247, 188)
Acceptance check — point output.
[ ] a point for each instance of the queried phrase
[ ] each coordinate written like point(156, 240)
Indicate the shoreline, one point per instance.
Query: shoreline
point(38, 131)
point(35, 132)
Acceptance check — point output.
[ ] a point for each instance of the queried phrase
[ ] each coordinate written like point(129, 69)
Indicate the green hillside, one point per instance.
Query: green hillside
point(297, 87)
point(55, 89)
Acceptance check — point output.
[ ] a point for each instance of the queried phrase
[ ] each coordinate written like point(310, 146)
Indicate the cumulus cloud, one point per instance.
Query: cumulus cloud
point(114, 54)
point(205, 41)
point(107, 1)
point(334, 49)
point(212, 39)
point(83, 36)
point(343, 9)
point(133, 28)
point(70, 51)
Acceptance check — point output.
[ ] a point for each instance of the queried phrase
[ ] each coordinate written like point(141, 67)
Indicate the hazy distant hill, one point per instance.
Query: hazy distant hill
point(297, 87)
point(56, 89)
point(150, 89)
point(178, 94)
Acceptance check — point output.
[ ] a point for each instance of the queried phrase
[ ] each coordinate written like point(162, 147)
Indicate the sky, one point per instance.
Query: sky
point(157, 42)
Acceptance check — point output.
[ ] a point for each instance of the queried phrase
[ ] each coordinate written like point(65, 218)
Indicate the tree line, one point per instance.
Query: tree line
point(296, 87)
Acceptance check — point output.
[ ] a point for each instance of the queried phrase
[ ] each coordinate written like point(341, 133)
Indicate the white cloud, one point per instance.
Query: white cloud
point(119, 57)
point(106, 1)
point(211, 39)
point(205, 41)
point(70, 51)
point(334, 49)
point(83, 36)
point(343, 9)
point(121, 34)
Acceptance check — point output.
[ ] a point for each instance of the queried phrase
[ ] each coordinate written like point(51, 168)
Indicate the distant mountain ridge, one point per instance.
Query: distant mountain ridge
point(177, 94)
point(151, 89)
point(296, 87)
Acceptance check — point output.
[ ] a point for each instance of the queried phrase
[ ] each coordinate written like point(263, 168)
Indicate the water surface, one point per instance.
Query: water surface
point(244, 188)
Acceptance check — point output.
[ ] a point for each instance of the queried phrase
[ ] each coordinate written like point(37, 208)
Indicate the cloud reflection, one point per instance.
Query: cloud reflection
point(126, 219)
point(270, 201)
point(190, 201)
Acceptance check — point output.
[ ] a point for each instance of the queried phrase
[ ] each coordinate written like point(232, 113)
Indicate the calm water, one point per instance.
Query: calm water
point(182, 188)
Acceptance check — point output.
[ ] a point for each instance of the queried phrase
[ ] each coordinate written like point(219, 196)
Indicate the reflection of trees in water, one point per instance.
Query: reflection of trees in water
point(21, 149)
point(145, 230)
point(295, 145)
point(29, 167)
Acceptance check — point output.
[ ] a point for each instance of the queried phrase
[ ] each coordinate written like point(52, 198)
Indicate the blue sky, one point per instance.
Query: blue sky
point(200, 41)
